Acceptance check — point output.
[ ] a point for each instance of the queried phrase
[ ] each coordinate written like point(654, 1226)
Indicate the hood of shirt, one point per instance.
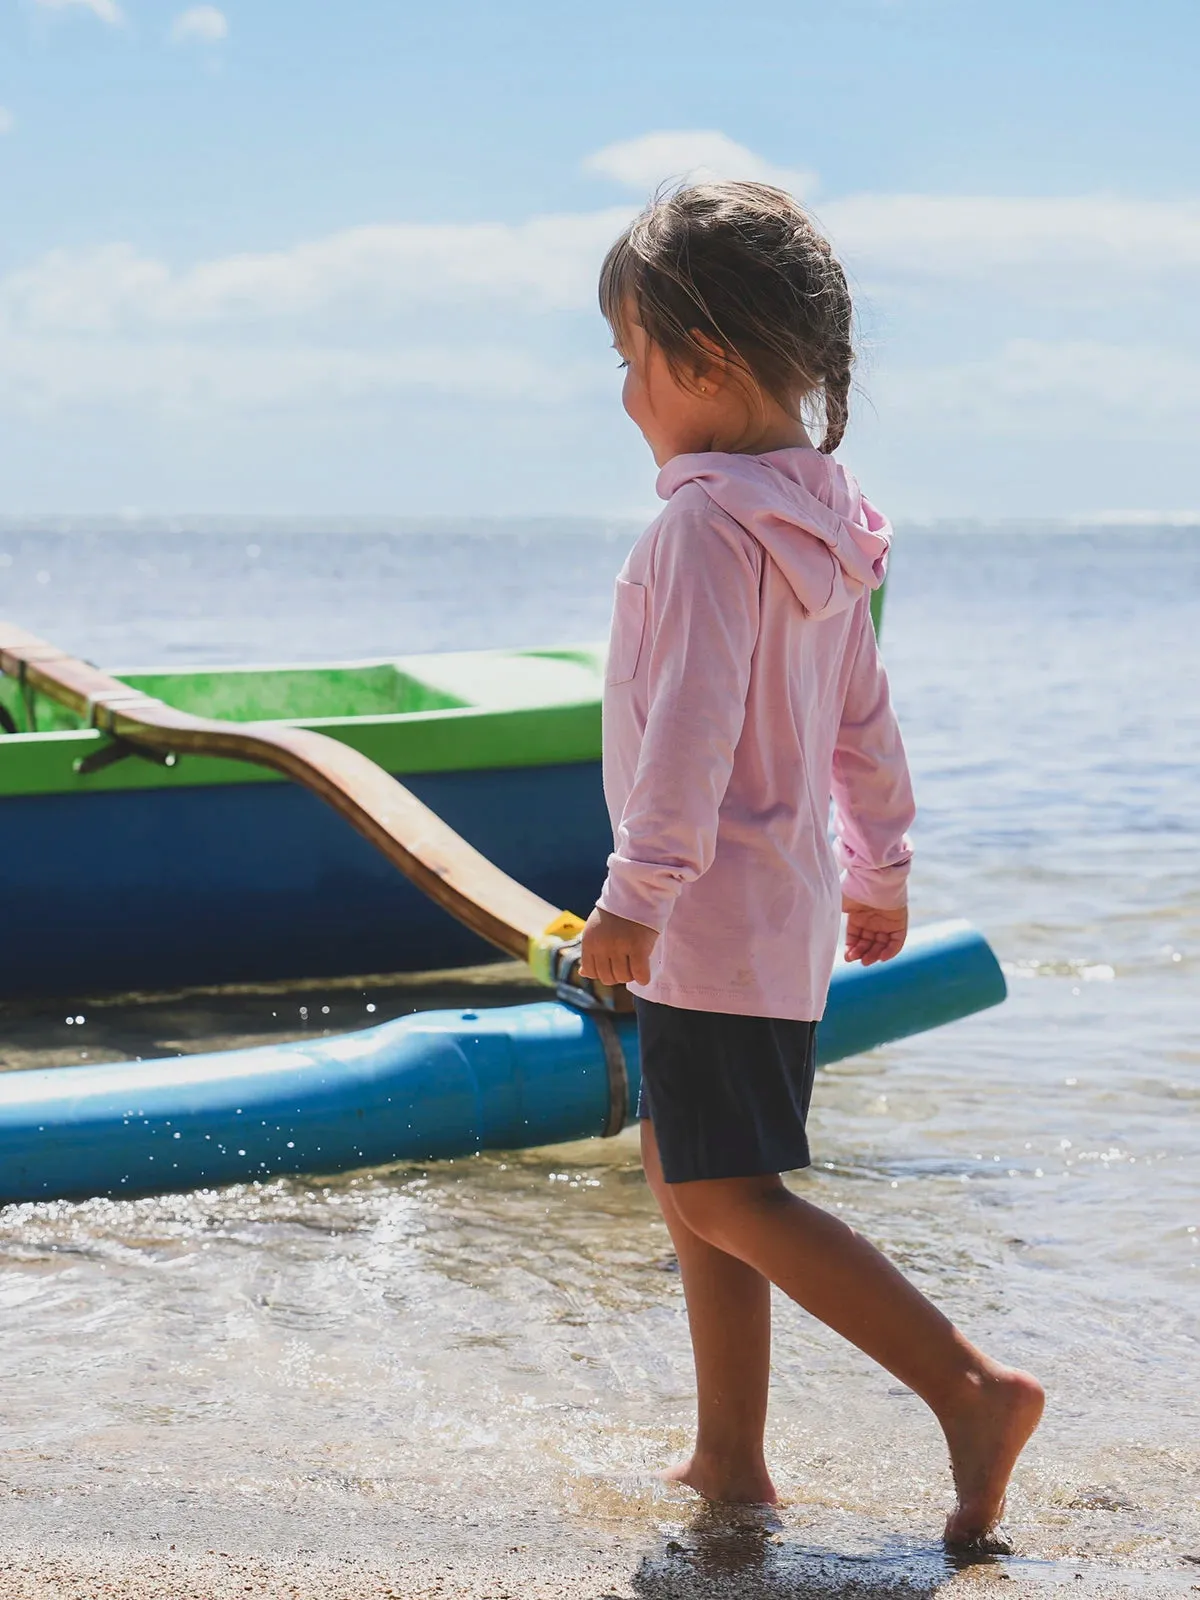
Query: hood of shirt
point(806, 511)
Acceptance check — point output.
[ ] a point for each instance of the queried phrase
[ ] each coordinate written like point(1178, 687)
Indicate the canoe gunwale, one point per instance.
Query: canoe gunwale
point(454, 739)
point(472, 711)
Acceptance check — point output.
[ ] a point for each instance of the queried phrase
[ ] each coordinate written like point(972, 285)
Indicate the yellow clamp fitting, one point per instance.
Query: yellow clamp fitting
point(565, 927)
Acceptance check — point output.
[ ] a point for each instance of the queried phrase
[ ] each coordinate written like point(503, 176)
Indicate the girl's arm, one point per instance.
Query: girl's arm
point(872, 792)
point(701, 628)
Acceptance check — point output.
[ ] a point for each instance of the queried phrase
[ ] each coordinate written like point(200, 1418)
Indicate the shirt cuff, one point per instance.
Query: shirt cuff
point(883, 888)
point(640, 894)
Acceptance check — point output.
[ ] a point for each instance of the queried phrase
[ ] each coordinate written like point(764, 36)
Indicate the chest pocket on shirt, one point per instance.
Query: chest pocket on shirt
point(628, 629)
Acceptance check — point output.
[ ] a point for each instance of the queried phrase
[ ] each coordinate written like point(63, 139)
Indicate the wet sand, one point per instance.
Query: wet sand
point(689, 1563)
point(133, 1542)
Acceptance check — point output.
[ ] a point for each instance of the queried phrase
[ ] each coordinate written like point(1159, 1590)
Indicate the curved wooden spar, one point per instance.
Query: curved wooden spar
point(413, 838)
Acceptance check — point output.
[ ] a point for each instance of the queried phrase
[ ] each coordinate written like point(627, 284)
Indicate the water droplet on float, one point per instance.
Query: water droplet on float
point(1098, 972)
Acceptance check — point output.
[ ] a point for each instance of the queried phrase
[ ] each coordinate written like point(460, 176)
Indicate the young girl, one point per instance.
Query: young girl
point(744, 691)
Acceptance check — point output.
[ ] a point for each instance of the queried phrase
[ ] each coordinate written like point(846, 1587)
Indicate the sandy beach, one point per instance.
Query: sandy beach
point(88, 1569)
point(155, 1548)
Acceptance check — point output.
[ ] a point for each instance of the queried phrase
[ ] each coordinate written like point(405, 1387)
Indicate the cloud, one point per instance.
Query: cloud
point(7, 121)
point(1087, 247)
point(390, 306)
point(107, 10)
point(698, 155)
point(1016, 242)
point(1033, 387)
point(1029, 244)
point(187, 377)
point(548, 263)
point(204, 23)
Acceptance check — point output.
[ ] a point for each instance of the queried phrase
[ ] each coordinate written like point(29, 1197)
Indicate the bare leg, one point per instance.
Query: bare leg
point(987, 1411)
point(729, 1314)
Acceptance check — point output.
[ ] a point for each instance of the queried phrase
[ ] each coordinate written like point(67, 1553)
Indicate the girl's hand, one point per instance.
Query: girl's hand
point(616, 950)
point(873, 935)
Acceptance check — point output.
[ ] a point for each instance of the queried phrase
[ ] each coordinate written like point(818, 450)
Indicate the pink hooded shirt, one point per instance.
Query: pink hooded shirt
point(743, 690)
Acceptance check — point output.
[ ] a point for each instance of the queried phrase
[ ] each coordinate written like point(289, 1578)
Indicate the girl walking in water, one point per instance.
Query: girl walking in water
point(743, 691)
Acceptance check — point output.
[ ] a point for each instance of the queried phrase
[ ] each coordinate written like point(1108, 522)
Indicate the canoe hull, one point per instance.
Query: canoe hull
point(167, 887)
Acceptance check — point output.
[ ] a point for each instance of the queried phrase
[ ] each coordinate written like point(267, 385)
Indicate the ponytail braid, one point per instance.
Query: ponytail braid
point(838, 354)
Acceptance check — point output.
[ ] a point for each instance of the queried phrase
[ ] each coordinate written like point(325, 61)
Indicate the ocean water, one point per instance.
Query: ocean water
point(483, 1361)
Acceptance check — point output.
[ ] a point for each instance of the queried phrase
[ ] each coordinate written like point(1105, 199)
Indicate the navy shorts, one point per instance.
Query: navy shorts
point(728, 1096)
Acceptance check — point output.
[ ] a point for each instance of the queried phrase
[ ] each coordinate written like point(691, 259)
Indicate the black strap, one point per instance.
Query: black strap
point(618, 1073)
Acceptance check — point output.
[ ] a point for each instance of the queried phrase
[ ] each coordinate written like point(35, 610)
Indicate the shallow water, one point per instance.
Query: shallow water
point(491, 1354)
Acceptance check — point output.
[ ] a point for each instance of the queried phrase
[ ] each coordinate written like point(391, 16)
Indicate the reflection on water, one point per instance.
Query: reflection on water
point(482, 1362)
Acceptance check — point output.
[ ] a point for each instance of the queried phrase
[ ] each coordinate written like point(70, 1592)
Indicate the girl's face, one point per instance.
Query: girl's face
point(711, 410)
point(675, 419)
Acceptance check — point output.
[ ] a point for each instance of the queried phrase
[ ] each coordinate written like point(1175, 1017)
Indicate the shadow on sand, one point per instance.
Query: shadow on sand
point(741, 1554)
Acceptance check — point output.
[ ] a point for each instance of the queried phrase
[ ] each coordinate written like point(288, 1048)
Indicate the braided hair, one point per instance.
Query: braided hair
point(742, 265)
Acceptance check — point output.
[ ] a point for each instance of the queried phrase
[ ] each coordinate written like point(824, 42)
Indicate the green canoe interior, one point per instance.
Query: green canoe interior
point(433, 713)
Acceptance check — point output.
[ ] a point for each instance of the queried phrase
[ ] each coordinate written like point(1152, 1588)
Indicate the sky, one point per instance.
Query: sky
point(341, 258)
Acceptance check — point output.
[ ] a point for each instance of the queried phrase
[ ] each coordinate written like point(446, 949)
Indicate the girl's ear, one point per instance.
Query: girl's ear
point(711, 374)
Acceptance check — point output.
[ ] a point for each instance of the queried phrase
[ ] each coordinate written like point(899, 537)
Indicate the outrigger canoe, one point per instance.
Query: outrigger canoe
point(130, 874)
point(146, 858)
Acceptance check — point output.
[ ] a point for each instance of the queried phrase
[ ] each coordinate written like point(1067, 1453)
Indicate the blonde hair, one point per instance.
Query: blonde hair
point(743, 265)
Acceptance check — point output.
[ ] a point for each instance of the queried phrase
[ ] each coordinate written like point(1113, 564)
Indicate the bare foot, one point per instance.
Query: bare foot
point(986, 1435)
point(717, 1480)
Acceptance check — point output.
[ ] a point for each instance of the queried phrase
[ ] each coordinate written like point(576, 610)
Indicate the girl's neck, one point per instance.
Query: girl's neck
point(764, 434)
point(787, 434)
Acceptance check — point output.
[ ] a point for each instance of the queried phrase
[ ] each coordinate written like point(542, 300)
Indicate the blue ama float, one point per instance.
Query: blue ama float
point(430, 1086)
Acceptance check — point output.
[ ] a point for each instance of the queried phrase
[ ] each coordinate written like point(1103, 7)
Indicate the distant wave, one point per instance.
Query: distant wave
point(159, 525)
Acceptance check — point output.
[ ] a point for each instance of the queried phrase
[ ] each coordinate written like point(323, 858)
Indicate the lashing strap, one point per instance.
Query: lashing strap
point(544, 946)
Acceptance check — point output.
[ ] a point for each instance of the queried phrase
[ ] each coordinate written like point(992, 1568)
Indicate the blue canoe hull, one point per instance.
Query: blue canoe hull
point(425, 1087)
point(173, 887)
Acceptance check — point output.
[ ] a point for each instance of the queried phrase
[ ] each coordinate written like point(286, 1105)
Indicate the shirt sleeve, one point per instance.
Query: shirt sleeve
point(872, 791)
point(701, 629)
